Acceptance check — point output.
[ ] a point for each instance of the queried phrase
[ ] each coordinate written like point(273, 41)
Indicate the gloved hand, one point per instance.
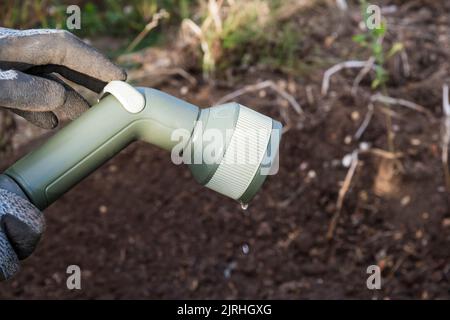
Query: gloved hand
point(27, 86)
point(21, 226)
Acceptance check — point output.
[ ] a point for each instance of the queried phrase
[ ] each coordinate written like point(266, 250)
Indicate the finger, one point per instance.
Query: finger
point(45, 119)
point(9, 262)
point(21, 235)
point(74, 104)
point(34, 98)
point(21, 222)
point(30, 93)
point(77, 77)
point(22, 209)
point(27, 213)
point(78, 61)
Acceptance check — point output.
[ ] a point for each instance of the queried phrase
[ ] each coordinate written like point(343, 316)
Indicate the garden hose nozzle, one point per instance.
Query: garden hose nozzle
point(229, 148)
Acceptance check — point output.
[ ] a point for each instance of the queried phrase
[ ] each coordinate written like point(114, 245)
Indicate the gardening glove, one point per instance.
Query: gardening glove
point(27, 86)
point(21, 226)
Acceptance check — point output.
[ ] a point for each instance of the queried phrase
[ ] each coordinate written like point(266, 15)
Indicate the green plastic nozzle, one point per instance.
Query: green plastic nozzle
point(108, 127)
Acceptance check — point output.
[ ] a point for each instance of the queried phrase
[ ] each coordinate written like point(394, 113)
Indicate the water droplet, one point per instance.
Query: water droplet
point(244, 206)
point(229, 269)
point(245, 249)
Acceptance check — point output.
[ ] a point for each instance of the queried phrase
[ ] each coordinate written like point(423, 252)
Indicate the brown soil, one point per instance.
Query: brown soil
point(141, 227)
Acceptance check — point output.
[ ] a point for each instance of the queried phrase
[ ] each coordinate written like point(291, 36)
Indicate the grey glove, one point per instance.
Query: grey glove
point(27, 86)
point(21, 226)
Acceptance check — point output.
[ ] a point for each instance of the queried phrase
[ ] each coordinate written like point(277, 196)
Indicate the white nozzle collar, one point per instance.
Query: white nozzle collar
point(249, 140)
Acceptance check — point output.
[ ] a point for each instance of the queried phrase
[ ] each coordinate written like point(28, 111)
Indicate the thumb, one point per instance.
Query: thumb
point(21, 223)
point(9, 262)
point(22, 237)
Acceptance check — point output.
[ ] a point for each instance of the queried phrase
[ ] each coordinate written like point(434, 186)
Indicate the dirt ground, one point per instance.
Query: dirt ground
point(140, 227)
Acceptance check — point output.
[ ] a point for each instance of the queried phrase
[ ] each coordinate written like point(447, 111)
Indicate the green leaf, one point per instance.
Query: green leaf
point(381, 31)
point(396, 48)
point(375, 83)
point(359, 38)
point(381, 76)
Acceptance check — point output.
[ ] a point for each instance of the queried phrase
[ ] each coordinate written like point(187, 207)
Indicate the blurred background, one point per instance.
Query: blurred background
point(364, 176)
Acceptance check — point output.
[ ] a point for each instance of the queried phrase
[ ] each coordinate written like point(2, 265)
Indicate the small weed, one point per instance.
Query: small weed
point(373, 40)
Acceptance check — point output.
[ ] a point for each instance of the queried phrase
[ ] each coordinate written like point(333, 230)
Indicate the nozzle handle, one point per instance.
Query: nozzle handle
point(97, 135)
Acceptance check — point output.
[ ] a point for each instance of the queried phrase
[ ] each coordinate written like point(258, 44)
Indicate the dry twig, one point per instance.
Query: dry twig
point(365, 122)
point(259, 86)
point(364, 71)
point(446, 135)
point(383, 153)
point(342, 192)
point(338, 67)
point(161, 14)
point(348, 180)
point(401, 102)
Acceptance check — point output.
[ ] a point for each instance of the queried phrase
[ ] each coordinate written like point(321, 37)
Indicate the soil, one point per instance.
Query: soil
point(140, 227)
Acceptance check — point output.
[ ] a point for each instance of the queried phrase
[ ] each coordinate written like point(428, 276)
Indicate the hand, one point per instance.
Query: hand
point(27, 86)
point(21, 226)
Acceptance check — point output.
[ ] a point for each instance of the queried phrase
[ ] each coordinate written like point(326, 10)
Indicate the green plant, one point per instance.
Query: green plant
point(373, 39)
